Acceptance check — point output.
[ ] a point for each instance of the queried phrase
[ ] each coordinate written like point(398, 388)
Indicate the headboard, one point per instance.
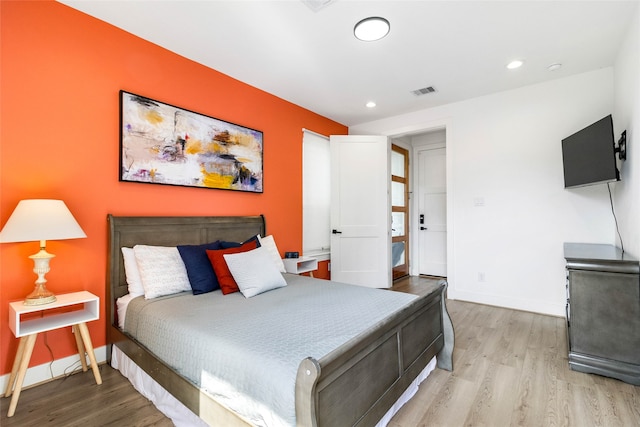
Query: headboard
point(128, 231)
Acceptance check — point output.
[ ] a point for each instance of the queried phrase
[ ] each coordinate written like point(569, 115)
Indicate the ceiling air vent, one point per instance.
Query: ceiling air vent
point(316, 5)
point(423, 91)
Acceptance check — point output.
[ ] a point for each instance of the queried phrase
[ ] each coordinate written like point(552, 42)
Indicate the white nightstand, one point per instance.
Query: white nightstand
point(300, 265)
point(74, 309)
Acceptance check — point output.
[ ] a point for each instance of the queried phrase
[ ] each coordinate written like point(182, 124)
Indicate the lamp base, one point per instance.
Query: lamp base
point(40, 295)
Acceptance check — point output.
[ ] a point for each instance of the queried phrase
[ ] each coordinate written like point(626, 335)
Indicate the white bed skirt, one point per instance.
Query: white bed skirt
point(408, 393)
point(149, 388)
point(183, 417)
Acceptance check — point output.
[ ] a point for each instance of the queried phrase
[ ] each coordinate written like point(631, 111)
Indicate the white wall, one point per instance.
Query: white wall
point(627, 116)
point(504, 149)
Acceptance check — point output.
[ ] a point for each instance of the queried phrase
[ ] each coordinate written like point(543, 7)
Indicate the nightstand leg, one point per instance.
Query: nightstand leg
point(14, 369)
point(86, 338)
point(22, 370)
point(81, 349)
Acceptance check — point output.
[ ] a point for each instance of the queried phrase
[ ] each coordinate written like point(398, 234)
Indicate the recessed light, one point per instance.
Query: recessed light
point(554, 67)
point(515, 64)
point(371, 29)
point(370, 104)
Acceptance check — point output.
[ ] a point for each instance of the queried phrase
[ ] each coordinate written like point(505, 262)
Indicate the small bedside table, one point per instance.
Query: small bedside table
point(300, 265)
point(87, 309)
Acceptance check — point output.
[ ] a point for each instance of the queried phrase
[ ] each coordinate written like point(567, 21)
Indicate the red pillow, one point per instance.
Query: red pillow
point(227, 282)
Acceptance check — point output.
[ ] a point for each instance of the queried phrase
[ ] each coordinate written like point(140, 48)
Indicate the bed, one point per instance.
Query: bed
point(357, 382)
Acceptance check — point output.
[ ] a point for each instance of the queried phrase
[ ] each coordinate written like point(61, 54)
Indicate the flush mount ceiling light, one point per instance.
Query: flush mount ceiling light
point(515, 64)
point(371, 29)
point(370, 104)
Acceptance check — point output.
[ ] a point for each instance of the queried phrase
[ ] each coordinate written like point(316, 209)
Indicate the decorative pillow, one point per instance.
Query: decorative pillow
point(161, 270)
point(254, 272)
point(269, 243)
point(225, 278)
point(199, 270)
point(131, 272)
point(227, 245)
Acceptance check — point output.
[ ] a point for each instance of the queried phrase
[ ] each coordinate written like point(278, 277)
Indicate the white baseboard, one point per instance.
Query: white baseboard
point(57, 369)
point(534, 306)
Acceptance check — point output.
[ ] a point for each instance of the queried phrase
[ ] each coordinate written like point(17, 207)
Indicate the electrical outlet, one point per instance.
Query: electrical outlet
point(481, 277)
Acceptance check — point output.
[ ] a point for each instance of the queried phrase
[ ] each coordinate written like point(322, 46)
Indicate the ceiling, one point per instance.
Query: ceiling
point(312, 59)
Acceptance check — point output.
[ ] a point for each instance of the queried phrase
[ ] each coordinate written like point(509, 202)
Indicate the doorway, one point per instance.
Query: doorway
point(432, 210)
point(430, 174)
point(399, 211)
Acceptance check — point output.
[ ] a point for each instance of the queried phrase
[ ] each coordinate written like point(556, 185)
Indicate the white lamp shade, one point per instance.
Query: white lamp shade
point(40, 219)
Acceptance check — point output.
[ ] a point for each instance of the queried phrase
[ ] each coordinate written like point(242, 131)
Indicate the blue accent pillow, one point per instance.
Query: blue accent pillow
point(228, 245)
point(199, 270)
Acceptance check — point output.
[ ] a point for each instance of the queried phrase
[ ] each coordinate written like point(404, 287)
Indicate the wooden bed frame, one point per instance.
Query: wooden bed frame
point(354, 385)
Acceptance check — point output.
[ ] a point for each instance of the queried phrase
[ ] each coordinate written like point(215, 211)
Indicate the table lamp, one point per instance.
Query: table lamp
point(40, 219)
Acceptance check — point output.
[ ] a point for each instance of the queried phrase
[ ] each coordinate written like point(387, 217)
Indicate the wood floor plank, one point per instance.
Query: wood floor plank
point(495, 398)
point(514, 337)
point(544, 334)
point(630, 402)
point(537, 391)
point(451, 405)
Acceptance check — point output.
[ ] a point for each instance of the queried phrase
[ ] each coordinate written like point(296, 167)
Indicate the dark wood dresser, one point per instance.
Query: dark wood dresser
point(603, 311)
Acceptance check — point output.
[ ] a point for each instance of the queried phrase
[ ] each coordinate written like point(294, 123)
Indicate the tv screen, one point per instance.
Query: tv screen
point(589, 157)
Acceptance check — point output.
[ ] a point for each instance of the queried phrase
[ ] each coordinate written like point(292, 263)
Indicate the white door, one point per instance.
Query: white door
point(432, 208)
point(360, 210)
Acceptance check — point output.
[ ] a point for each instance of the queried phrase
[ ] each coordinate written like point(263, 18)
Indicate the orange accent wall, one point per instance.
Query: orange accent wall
point(61, 71)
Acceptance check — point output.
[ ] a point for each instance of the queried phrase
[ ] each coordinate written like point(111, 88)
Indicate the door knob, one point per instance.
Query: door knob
point(334, 231)
point(423, 228)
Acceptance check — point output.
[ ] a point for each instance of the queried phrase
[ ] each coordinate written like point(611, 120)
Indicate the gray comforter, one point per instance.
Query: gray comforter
point(246, 352)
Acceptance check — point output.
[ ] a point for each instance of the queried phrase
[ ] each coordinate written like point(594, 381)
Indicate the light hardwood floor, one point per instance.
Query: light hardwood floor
point(510, 369)
point(76, 401)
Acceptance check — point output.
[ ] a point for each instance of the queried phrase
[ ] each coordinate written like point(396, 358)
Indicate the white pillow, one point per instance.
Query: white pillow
point(121, 304)
point(162, 270)
point(131, 272)
point(269, 243)
point(254, 272)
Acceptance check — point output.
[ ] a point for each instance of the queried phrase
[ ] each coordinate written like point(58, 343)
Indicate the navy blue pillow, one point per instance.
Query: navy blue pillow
point(199, 270)
point(227, 245)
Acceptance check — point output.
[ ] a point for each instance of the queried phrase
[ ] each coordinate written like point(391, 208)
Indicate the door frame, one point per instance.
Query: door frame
point(398, 134)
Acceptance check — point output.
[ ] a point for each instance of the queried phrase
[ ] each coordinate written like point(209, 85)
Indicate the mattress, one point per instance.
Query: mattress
point(245, 352)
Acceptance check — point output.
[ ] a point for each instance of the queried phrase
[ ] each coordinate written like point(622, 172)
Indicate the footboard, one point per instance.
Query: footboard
point(356, 384)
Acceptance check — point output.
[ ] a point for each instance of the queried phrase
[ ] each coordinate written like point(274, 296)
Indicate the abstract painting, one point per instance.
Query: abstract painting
point(163, 144)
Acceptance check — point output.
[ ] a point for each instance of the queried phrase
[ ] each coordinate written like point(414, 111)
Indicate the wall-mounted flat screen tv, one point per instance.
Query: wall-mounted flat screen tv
point(589, 156)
